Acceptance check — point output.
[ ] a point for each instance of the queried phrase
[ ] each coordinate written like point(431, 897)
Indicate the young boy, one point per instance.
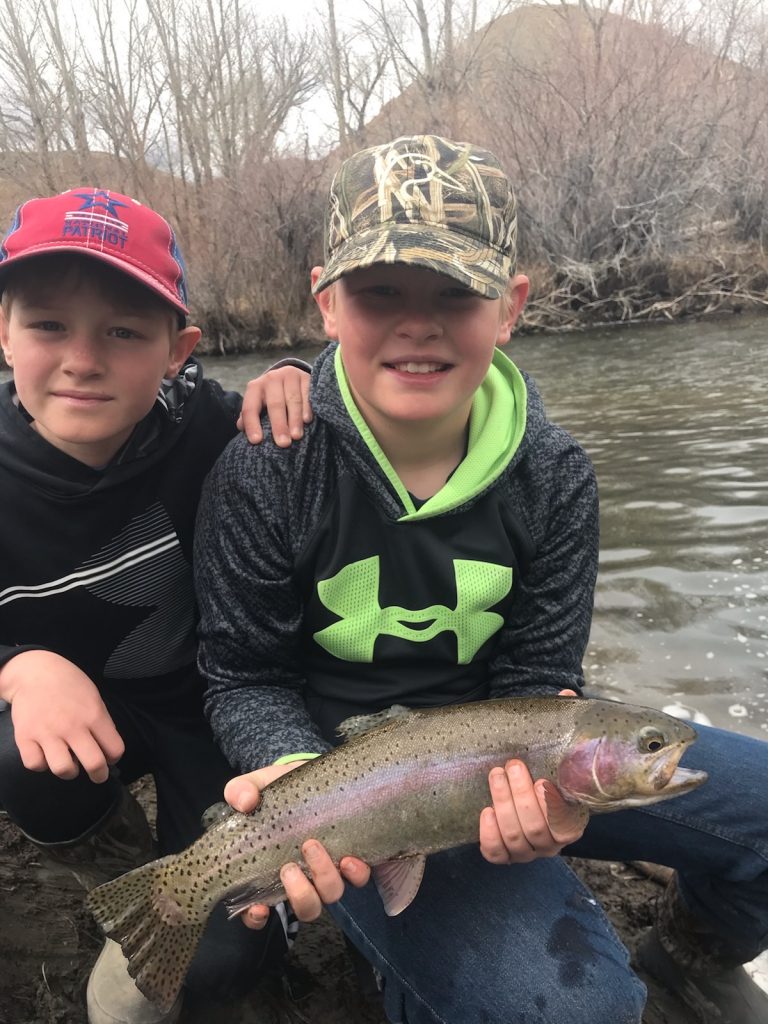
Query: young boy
point(433, 539)
point(106, 434)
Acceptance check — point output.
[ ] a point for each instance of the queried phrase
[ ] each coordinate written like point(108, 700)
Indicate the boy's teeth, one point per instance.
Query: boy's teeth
point(418, 367)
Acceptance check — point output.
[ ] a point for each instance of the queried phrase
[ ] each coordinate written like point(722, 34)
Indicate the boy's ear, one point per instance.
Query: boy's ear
point(517, 293)
point(5, 342)
point(182, 347)
point(326, 305)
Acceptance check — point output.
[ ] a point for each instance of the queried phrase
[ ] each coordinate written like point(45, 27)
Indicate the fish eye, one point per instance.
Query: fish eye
point(651, 740)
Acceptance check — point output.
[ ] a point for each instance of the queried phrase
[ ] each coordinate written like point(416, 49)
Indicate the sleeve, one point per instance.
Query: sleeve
point(232, 401)
point(300, 364)
point(251, 610)
point(7, 651)
point(542, 644)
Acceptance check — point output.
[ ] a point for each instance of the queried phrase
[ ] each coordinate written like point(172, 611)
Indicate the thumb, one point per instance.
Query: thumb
point(242, 793)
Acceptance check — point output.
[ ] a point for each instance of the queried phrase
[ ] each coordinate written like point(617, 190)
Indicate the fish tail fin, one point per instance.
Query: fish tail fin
point(155, 932)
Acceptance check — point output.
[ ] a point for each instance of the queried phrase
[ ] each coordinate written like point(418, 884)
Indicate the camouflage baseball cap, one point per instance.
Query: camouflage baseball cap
point(427, 202)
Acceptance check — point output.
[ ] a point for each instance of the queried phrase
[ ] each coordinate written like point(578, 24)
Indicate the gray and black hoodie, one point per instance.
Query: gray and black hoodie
point(326, 590)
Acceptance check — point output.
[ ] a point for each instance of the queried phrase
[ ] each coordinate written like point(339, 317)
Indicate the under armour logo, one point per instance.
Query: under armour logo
point(353, 593)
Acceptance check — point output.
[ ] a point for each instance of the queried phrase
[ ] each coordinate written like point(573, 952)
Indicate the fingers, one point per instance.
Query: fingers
point(255, 917)
point(306, 408)
point(296, 401)
point(516, 829)
point(354, 871)
point(504, 838)
point(109, 740)
point(32, 756)
point(285, 411)
point(243, 793)
point(307, 893)
point(58, 757)
point(91, 757)
point(254, 401)
point(284, 393)
point(568, 693)
point(254, 433)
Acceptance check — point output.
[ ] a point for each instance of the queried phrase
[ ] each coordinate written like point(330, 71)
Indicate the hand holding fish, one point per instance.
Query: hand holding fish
point(306, 896)
point(60, 722)
point(528, 819)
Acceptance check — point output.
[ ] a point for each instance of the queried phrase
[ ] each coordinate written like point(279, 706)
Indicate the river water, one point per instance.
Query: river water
point(675, 419)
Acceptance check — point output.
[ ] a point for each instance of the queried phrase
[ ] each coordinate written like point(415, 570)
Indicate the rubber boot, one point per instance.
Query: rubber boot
point(699, 967)
point(121, 841)
point(112, 996)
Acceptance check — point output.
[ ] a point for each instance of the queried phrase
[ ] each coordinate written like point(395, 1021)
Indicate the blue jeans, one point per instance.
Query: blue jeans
point(483, 944)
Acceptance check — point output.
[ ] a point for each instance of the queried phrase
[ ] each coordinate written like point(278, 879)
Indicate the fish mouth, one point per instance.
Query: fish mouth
point(666, 774)
point(682, 780)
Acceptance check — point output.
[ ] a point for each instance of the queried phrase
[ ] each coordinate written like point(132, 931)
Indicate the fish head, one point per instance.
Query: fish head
point(622, 756)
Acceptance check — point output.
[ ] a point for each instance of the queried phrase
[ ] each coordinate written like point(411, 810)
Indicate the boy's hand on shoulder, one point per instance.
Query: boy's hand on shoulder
point(284, 393)
point(529, 819)
point(60, 722)
point(306, 895)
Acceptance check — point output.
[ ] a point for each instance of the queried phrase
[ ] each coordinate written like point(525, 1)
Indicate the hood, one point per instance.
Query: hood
point(507, 415)
point(27, 455)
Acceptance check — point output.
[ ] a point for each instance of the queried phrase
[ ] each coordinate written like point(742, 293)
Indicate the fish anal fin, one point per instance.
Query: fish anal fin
point(245, 897)
point(398, 882)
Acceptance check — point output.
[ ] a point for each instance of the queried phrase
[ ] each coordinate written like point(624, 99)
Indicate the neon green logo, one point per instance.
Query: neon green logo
point(353, 593)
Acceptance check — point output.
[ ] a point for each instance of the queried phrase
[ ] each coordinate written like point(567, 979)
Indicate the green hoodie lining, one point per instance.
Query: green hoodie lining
point(496, 428)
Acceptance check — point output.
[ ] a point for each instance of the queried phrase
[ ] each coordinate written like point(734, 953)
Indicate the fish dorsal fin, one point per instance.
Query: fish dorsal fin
point(359, 724)
point(398, 882)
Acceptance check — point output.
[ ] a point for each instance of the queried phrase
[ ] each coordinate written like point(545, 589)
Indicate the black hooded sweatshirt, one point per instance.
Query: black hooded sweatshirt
point(95, 564)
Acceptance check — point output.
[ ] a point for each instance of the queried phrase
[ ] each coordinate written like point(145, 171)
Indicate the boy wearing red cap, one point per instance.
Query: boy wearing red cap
point(434, 540)
point(106, 435)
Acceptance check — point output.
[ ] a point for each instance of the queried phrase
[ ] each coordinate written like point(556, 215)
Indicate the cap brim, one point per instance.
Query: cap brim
point(479, 267)
point(123, 265)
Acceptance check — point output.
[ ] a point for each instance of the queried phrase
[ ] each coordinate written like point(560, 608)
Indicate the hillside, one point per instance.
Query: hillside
point(636, 149)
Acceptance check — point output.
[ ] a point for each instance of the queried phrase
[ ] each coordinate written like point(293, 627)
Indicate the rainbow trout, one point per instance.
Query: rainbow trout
point(405, 784)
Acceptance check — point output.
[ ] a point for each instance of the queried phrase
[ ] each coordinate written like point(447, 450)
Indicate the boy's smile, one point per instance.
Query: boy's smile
point(416, 344)
point(86, 371)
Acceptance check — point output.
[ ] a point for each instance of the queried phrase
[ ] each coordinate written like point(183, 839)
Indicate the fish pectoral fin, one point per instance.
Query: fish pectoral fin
point(357, 725)
point(239, 902)
point(215, 814)
point(398, 882)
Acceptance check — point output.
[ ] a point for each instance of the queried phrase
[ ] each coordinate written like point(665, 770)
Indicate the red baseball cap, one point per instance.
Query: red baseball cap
point(106, 225)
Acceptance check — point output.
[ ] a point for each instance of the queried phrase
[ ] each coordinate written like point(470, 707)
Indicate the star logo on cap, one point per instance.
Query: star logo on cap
point(99, 200)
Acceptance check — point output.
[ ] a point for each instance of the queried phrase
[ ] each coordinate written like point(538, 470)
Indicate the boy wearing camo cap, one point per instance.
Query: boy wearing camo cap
point(432, 540)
